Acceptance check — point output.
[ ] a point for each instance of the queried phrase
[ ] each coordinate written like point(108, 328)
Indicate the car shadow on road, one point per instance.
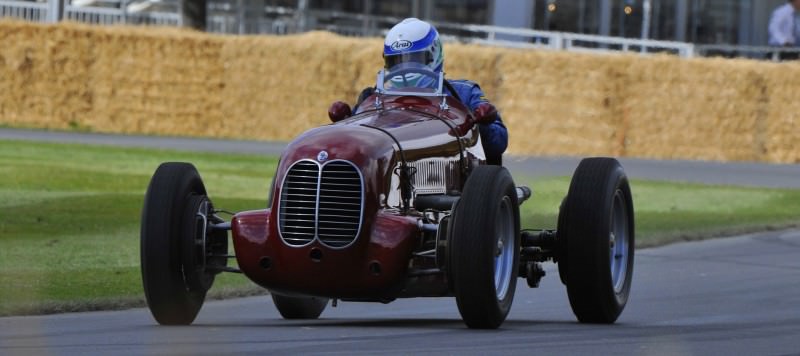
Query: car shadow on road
point(399, 323)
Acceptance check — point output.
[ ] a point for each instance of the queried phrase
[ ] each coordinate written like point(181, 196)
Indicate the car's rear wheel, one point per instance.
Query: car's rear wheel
point(483, 247)
point(596, 236)
point(299, 307)
point(173, 274)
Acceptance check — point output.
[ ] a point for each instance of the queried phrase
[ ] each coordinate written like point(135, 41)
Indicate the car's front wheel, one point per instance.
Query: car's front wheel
point(299, 307)
point(484, 246)
point(172, 250)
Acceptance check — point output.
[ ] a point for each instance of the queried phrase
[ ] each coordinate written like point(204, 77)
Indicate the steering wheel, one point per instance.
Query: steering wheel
point(402, 72)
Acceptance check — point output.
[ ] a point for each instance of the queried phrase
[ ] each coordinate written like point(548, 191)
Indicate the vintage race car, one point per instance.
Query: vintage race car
point(394, 201)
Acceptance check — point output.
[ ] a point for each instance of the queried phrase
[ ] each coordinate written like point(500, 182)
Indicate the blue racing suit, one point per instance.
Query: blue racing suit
point(494, 136)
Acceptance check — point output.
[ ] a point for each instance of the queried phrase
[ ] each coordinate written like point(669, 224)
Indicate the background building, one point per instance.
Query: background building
point(684, 27)
point(736, 22)
point(741, 22)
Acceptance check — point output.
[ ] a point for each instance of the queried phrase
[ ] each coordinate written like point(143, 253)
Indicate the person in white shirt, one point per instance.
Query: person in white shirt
point(784, 27)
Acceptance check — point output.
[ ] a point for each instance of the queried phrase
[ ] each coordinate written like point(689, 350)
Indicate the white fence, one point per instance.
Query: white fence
point(758, 52)
point(24, 10)
point(520, 37)
point(223, 17)
point(95, 12)
point(96, 15)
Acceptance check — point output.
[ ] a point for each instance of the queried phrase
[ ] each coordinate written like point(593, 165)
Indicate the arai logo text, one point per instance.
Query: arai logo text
point(400, 45)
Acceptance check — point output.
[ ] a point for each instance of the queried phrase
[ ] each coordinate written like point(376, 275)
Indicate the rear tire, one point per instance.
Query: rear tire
point(484, 246)
point(596, 235)
point(173, 285)
point(299, 307)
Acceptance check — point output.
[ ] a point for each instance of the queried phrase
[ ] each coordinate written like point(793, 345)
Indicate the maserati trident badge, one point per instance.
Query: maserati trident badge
point(322, 156)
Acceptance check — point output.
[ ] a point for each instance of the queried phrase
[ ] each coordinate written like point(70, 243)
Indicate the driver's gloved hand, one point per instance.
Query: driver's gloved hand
point(485, 113)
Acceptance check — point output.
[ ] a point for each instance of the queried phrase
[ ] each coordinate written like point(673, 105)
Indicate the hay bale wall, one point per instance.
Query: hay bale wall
point(177, 82)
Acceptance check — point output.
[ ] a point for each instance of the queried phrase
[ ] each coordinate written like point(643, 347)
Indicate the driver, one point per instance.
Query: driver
point(414, 40)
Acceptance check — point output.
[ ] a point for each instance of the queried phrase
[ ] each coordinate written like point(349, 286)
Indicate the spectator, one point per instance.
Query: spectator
point(784, 28)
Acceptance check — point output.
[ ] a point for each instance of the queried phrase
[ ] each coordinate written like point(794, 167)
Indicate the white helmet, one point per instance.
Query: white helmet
point(413, 40)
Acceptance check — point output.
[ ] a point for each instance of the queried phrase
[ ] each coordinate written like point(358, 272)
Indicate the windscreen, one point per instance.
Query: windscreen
point(411, 77)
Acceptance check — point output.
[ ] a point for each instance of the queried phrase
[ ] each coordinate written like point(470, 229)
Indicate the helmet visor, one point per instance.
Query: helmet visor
point(422, 57)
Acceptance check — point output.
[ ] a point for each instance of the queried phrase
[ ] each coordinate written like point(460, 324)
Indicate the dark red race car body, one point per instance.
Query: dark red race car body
point(378, 264)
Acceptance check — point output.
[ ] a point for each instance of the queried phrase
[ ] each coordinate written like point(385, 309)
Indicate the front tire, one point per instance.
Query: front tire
point(299, 307)
point(596, 237)
point(174, 286)
point(484, 246)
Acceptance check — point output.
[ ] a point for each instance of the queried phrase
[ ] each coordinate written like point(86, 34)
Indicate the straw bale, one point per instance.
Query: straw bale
point(704, 109)
point(179, 82)
point(278, 87)
point(475, 63)
point(559, 104)
point(155, 82)
point(40, 78)
point(116, 79)
point(780, 131)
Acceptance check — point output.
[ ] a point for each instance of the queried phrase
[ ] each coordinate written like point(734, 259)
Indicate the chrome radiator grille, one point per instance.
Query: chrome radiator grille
point(324, 205)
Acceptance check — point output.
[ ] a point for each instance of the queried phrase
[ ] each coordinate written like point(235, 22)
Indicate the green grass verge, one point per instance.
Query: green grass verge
point(69, 230)
point(69, 227)
point(669, 212)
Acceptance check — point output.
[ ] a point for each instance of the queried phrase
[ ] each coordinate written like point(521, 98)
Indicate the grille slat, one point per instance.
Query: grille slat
point(339, 237)
point(337, 222)
point(348, 210)
point(333, 216)
point(332, 196)
point(339, 203)
point(311, 197)
point(300, 240)
point(341, 185)
point(343, 195)
point(297, 200)
point(354, 194)
point(337, 178)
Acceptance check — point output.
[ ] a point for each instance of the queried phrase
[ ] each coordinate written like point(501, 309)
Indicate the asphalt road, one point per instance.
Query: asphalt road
point(736, 296)
point(748, 174)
